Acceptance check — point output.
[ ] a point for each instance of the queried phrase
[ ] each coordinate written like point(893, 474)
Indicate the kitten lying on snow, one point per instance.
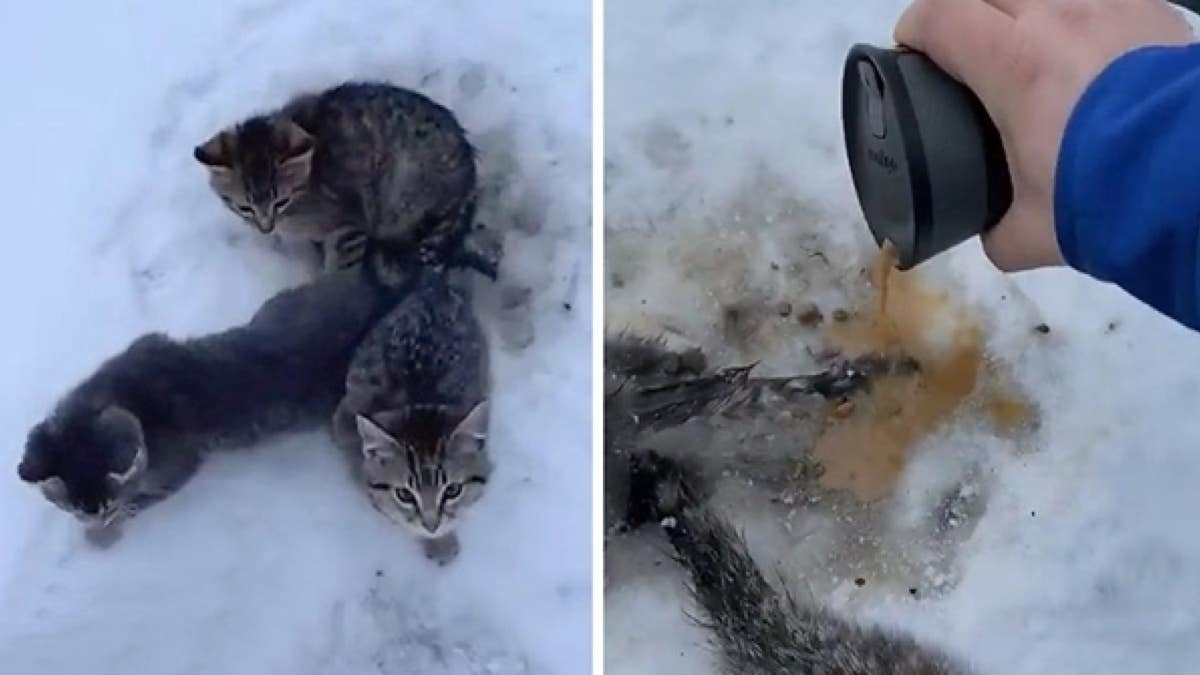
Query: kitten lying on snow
point(757, 630)
point(136, 430)
point(649, 388)
point(414, 418)
point(358, 162)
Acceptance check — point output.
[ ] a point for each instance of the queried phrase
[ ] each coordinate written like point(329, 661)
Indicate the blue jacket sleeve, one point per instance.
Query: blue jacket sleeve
point(1127, 183)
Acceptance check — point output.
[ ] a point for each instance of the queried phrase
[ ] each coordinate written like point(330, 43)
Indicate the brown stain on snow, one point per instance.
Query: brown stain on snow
point(866, 451)
point(1009, 413)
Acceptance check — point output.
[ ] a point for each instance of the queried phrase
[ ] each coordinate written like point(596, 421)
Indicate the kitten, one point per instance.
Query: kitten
point(631, 363)
point(358, 162)
point(651, 388)
point(415, 415)
point(136, 430)
point(756, 629)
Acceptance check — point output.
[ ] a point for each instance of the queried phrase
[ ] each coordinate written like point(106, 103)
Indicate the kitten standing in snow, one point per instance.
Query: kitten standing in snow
point(415, 415)
point(137, 429)
point(357, 162)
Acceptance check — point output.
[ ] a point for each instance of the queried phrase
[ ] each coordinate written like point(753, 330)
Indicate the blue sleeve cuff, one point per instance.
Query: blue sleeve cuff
point(1127, 182)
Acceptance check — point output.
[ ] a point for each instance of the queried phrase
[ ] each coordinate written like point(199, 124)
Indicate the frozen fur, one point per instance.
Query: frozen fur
point(136, 429)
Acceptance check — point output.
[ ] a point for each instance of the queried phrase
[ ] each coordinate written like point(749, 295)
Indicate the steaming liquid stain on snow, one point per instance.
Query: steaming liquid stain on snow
point(867, 451)
point(1078, 587)
point(813, 484)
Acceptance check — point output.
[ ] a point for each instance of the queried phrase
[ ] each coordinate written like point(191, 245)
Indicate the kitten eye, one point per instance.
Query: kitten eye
point(453, 491)
point(382, 487)
point(405, 496)
point(245, 210)
point(281, 204)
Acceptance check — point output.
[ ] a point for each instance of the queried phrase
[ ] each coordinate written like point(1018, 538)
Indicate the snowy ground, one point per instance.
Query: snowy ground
point(270, 561)
point(1067, 548)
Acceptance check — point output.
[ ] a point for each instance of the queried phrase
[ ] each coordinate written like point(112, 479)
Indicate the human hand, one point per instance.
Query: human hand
point(1029, 62)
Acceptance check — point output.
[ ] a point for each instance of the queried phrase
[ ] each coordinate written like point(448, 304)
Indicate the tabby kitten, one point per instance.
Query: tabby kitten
point(415, 415)
point(363, 160)
point(136, 430)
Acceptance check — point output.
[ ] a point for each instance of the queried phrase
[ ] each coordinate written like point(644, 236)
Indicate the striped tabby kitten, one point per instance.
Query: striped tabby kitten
point(415, 415)
point(356, 162)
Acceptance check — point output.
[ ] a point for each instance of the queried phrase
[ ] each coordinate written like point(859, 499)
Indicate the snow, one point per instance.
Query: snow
point(270, 560)
point(1070, 549)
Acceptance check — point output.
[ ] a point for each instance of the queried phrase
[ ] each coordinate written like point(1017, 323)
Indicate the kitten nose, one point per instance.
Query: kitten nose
point(265, 224)
point(430, 522)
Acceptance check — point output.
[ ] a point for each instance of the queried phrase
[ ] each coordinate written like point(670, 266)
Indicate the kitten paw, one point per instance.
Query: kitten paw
point(482, 251)
point(343, 249)
point(102, 537)
point(442, 550)
point(484, 265)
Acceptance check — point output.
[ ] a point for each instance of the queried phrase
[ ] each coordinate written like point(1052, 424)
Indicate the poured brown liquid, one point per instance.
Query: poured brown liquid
point(1009, 413)
point(866, 452)
point(881, 275)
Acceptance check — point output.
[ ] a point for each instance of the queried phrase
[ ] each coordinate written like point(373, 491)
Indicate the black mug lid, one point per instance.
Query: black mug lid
point(927, 162)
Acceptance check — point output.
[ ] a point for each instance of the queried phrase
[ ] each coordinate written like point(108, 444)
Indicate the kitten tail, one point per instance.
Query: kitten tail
point(755, 629)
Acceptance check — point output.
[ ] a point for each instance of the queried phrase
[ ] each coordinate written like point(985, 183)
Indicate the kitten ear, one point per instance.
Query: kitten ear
point(120, 422)
point(292, 140)
point(295, 147)
point(376, 443)
point(471, 432)
point(35, 464)
point(215, 152)
point(129, 450)
point(34, 468)
point(135, 467)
